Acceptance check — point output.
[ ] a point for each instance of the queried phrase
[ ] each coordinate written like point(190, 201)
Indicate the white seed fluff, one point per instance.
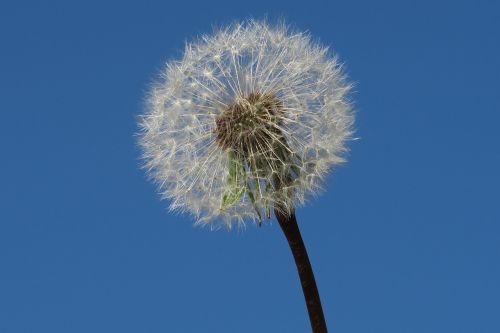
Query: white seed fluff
point(285, 160)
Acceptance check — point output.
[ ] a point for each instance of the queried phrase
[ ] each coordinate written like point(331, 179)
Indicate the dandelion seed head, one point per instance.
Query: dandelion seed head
point(252, 118)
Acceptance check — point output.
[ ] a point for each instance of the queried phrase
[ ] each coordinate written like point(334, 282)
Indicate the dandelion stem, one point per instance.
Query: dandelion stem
point(288, 224)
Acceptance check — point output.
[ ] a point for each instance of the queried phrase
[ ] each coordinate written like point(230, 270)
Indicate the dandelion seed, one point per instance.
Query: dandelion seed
point(270, 98)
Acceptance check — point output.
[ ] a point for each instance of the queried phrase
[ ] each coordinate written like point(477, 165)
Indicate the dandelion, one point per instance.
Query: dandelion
point(249, 121)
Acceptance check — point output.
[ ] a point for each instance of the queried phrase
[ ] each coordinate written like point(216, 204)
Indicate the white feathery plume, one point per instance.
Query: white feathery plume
point(250, 119)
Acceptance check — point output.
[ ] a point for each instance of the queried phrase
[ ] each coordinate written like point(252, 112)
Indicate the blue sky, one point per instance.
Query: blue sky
point(406, 237)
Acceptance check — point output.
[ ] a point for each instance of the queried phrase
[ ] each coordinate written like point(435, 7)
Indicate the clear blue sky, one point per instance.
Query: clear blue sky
point(405, 239)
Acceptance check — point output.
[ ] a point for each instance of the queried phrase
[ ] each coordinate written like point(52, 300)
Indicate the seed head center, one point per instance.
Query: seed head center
point(249, 124)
